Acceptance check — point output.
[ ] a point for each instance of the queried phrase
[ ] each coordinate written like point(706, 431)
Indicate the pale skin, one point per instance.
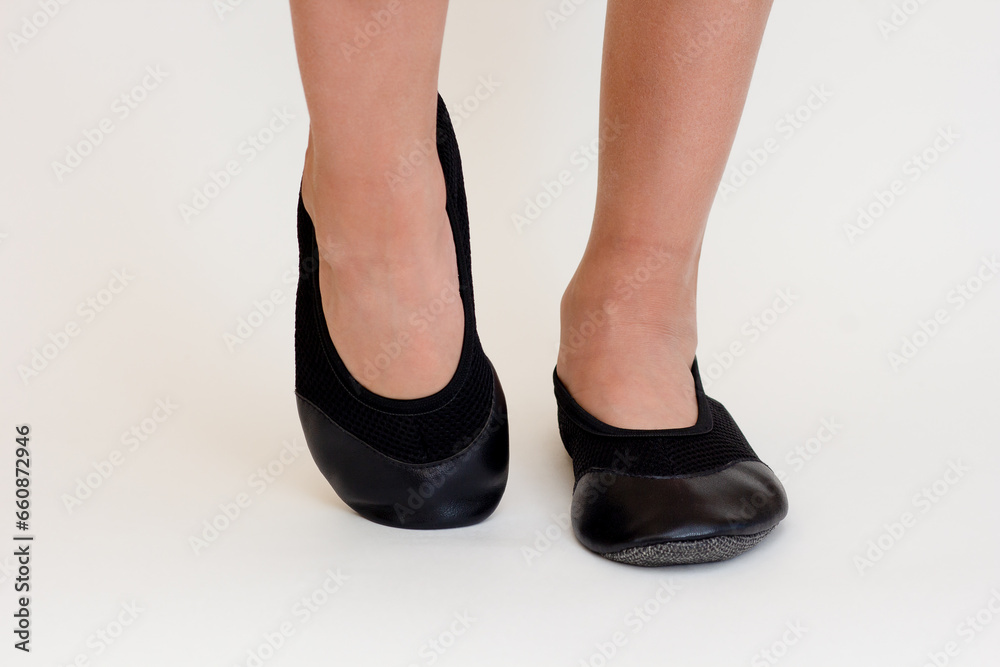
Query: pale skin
point(669, 115)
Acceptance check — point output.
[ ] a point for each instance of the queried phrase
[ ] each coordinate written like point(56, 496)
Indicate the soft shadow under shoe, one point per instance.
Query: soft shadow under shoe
point(673, 496)
point(434, 462)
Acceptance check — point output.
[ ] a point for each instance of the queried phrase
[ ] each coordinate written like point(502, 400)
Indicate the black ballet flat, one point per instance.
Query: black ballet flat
point(434, 462)
point(667, 497)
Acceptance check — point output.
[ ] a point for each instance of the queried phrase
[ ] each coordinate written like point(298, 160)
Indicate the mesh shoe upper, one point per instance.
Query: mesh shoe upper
point(414, 431)
point(712, 443)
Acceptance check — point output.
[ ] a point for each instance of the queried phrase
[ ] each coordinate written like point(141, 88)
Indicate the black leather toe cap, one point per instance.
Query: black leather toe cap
point(458, 491)
point(612, 511)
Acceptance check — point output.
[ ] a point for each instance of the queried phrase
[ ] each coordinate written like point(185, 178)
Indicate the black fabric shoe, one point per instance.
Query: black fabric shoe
point(433, 462)
point(673, 496)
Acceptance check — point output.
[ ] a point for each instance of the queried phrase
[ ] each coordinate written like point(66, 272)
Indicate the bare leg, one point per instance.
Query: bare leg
point(656, 180)
point(386, 243)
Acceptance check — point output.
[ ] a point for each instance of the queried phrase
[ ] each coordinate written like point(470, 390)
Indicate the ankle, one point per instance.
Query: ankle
point(375, 178)
point(363, 217)
point(621, 303)
point(646, 286)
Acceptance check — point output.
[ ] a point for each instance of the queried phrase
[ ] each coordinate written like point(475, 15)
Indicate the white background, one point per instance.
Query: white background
point(899, 429)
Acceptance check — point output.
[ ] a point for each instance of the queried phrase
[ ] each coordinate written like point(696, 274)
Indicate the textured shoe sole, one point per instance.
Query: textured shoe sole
point(708, 550)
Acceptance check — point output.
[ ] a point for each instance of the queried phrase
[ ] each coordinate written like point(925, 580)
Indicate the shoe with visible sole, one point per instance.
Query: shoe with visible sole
point(435, 462)
point(667, 497)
